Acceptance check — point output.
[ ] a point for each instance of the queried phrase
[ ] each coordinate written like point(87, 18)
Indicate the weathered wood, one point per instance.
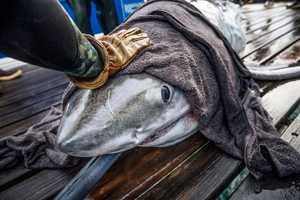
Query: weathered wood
point(269, 22)
point(28, 111)
point(13, 176)
point(272, 101)
point(29, 79)
point(258, 19)
point(28, 102)
point(143, 167)
point(283, 25)
point(36, 188)
point(197, 178)
point(20, 127)
point(258, 51)
point(259, 7)
point(287, 49)
point(30, 91)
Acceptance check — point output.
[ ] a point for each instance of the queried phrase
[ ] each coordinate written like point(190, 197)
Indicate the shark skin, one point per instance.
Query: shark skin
point(129, 111)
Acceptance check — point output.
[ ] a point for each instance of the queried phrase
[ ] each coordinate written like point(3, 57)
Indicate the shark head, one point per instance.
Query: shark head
point(129, 111)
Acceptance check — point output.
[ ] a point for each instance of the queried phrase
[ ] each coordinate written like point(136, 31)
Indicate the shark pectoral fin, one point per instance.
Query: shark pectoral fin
point(79, 187)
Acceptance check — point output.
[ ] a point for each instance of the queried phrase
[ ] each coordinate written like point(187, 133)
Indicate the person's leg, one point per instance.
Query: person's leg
point(41, 33)
point(107, 16)
point(82, 13)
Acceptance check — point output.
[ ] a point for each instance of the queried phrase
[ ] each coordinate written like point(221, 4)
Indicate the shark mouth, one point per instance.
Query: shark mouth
point(165, 129)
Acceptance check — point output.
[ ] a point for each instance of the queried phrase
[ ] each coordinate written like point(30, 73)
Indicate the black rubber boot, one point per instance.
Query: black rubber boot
point(107, 15)
point(82, 14)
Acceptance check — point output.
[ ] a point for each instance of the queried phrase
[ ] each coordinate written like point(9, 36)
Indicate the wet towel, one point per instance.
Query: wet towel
point(189, 53)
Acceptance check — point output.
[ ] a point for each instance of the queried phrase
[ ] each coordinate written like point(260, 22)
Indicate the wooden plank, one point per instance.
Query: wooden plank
point(29, 88)
point(20, 127)
point(143, 167)
point(30, 78)
point(250, 21)
point(29, 111)
point(285, 24)
point(28, 102)
point(271, 43)
point(289, 49)
point(247, 189)
point(289, 55)
point(13, 176)
point(258, 7)
point(288, 92)
point(32, 93)
point(264, 13)
point(41, 186)
point(258, 51)
point(196, 178)
point(269, 22)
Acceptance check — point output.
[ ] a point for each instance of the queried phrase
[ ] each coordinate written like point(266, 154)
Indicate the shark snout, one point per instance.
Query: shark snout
point(87, 144)
point(75, 146)
point(65, 144)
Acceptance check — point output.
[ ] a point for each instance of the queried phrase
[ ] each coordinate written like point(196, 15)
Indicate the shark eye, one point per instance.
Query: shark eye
point(166, 93)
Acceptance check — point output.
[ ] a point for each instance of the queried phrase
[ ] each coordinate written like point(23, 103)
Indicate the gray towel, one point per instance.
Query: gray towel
point(189, 53)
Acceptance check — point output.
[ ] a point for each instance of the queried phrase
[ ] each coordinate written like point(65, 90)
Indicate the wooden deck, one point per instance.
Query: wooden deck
point(194, 169)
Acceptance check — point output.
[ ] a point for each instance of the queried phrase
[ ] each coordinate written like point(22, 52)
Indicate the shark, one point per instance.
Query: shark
point(129, 111)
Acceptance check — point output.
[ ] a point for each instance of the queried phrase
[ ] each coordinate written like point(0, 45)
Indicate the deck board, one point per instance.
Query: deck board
point(193, 169)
